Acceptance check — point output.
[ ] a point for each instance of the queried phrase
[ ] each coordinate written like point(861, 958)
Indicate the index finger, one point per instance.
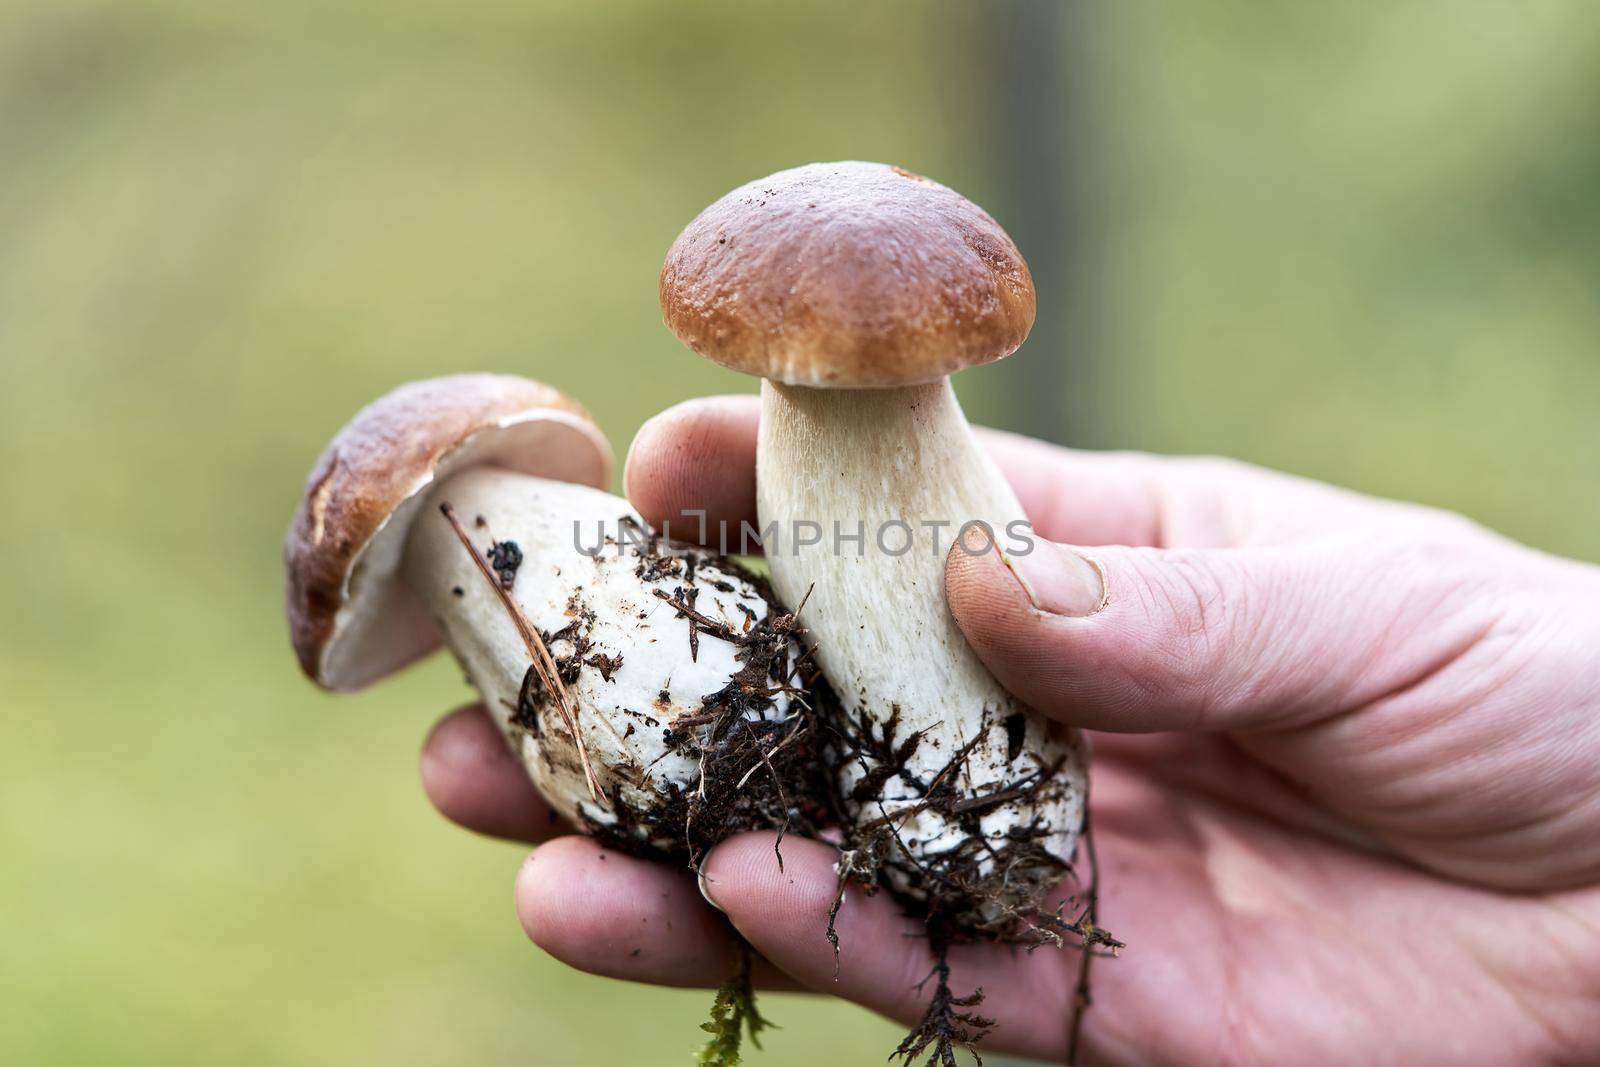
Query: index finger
point(692, 470)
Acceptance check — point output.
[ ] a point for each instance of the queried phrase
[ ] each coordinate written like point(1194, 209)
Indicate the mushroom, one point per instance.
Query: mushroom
point(854, 289)
point(653, 692)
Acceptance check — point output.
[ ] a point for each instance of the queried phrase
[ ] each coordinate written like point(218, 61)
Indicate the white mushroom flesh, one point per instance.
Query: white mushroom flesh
point(636, 672)
point(886, 641)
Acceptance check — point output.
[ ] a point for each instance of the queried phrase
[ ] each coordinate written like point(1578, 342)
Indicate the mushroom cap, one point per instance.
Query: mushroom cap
point(847, 275)
point(352, 619)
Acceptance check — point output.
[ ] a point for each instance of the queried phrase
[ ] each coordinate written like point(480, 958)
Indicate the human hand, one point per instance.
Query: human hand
point(1346, 788)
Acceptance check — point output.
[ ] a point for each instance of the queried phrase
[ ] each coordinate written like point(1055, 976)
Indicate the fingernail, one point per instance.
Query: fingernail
point(1058, 580)
point(704, 883)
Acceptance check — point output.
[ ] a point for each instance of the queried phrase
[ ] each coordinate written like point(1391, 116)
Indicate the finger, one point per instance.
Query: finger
point(883, 960)
point(1148, 501)
point(1098, 498)
point(475, 780)
point(693, 468)
point(612, 914)
point(1139, 640)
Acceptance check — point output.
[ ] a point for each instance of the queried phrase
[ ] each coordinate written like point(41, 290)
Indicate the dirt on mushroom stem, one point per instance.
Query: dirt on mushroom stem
point(756, 771)
point(978, 890)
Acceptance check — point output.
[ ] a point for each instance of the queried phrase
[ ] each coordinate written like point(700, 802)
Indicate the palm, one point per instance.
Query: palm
point(1253, 940)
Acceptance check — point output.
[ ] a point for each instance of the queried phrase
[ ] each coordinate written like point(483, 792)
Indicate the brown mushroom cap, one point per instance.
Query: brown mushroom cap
point(847, 275)
point(351, 619)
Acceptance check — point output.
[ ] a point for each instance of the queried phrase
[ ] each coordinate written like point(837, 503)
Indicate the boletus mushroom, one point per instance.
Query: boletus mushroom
point(654, 693)
point(854, 290)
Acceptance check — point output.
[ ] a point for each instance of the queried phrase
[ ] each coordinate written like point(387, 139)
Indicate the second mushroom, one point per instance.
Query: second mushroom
point(654, 693)
point(854, 290)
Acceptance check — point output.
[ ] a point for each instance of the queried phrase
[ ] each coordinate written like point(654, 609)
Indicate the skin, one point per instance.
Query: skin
point(1346, 789)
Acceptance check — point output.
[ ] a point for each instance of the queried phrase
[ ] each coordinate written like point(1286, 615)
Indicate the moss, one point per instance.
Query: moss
point(733, 1014)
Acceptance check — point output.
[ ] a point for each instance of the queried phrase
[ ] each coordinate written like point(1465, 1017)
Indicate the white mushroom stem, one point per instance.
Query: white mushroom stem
point(898, 464)
point(637, 667)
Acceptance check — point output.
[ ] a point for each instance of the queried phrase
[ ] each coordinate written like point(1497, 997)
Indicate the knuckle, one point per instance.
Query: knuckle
point(1203, 505)
point(1212, 468)
point(1453, 570)
point(1201, 598)
point(1444, 527)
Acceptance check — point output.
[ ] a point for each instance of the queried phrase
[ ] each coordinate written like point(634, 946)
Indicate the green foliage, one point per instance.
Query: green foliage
point(733, 1011)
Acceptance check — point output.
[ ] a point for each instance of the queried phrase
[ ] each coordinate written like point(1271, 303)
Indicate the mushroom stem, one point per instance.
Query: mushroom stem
point(543, 664)
point(890, 477)
point(584, 655)
point(902, 463)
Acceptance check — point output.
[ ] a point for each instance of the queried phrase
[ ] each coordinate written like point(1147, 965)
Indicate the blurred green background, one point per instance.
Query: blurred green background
point(1360, 242)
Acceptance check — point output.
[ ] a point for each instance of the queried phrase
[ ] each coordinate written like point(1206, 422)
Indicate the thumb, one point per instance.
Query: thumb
point(1138, 639)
